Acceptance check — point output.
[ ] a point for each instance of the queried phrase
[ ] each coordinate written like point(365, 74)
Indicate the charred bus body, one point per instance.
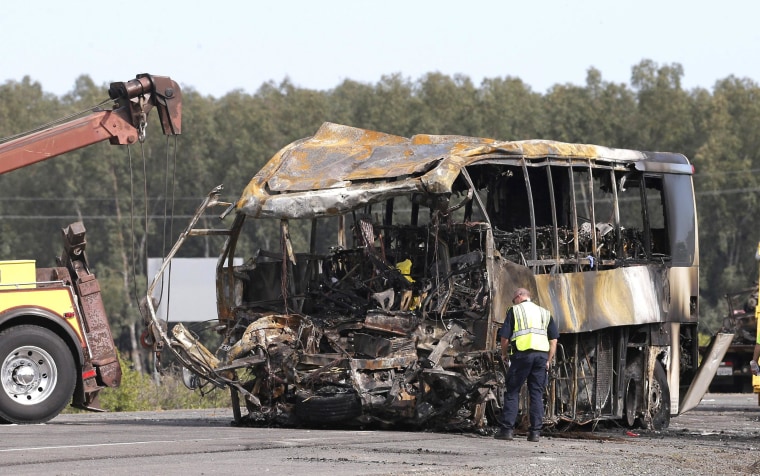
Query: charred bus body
point(379, 297)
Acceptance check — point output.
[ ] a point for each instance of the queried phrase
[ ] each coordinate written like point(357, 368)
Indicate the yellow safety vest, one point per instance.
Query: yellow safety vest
point(531, 322)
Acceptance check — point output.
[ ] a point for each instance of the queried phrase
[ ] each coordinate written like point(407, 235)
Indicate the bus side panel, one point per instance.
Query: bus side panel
point(593, 300)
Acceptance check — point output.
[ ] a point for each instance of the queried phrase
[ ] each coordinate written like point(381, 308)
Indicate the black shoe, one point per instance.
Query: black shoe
point(533, 436)
point(504, 435)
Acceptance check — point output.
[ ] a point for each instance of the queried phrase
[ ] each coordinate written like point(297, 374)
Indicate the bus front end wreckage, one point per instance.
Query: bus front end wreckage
point(364, 276)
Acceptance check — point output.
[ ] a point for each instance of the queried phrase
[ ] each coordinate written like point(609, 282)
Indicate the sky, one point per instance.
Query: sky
point(215, 47)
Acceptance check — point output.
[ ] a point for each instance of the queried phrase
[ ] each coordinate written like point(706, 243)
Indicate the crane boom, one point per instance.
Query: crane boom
point(122, 125)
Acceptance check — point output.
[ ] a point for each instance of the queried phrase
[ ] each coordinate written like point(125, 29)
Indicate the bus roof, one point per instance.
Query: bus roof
point(342, 167)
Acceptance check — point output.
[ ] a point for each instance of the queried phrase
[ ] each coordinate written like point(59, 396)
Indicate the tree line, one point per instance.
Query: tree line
point(226, 140)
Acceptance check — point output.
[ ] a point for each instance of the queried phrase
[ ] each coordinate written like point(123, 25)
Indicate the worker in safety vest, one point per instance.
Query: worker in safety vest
point(533, 334)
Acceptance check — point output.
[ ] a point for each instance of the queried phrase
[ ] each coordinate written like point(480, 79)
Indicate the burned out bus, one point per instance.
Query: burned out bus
point(363, 278)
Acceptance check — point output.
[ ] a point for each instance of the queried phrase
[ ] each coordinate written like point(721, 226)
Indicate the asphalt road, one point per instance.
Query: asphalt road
point(722, 435)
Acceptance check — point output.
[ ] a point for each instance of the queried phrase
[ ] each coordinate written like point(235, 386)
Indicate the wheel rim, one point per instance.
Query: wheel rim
point(29, 375)
point(655, 398)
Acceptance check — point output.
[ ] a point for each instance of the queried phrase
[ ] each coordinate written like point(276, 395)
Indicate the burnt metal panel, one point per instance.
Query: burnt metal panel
point(593, 300)
point(604, 372)
point(342, 167)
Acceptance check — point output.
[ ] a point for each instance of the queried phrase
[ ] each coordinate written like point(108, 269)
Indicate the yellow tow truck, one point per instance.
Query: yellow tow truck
point(56, 345)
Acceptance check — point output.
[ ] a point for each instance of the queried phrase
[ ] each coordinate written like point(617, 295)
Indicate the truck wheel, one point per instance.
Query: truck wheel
point(37, 374)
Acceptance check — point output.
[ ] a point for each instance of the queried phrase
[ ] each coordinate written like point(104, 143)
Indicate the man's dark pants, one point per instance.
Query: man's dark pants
point(530, 366)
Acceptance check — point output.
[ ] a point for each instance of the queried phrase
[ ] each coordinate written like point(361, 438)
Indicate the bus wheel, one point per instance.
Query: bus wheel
point(37, 374)
point(658, 417)
point(495, 406)
point(631, 398)
point(630, 403)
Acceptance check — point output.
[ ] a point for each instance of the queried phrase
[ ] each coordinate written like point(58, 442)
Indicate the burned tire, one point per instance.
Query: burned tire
point(329, 405)
point(631, 397)
point(37, 375)
point(659, 400)
point(658, 417)
point(633, 389)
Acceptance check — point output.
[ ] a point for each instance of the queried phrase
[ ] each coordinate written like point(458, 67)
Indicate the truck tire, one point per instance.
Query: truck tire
point(37, 374)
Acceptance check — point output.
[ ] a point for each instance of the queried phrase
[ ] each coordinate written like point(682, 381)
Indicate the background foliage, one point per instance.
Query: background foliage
point(226, 140)
point(140, 392)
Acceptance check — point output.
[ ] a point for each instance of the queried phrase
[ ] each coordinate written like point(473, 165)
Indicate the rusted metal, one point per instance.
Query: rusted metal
point(160, 92)
point(101, 345)
point(333, 164)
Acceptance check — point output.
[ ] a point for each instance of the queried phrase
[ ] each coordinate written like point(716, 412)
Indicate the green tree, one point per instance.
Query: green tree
point(509, 110)
point(727, 186)
point(448, 105)
point(665, 119)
